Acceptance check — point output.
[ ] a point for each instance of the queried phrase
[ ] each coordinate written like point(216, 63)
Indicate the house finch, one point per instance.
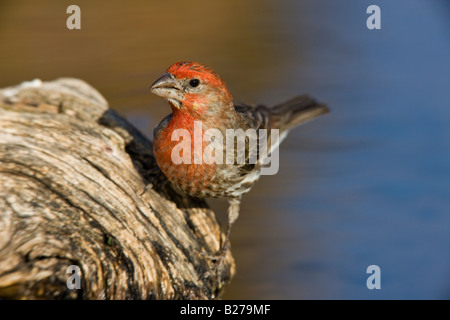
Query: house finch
point(196, 93)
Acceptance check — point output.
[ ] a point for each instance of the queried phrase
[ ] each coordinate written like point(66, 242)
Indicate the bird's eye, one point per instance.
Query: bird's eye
point(194, 83)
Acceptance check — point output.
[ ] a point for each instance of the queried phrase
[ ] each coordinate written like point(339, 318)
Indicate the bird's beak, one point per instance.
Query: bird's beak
point(168, 87)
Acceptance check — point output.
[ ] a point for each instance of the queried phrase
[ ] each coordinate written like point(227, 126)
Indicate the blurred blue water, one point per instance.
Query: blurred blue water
point(382, 195)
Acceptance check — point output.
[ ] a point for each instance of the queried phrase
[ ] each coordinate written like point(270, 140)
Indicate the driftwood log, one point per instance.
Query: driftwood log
point(72, 179)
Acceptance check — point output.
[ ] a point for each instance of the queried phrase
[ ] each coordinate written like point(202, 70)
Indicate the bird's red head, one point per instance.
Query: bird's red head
point(193, 88)
point(194, 70)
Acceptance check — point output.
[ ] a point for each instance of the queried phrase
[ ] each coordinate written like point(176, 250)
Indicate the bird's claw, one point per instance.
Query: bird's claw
point(218, 261)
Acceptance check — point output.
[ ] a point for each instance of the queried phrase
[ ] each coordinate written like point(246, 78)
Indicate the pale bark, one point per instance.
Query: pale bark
point(72, 174)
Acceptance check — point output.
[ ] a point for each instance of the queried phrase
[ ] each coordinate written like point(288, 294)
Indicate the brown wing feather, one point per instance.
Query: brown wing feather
point(283, 116)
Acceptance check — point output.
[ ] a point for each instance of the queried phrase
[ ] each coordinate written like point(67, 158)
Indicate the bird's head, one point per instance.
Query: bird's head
point(193, 88)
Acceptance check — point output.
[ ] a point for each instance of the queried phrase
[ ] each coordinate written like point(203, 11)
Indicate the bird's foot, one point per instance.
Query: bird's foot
point(148, 186)
point(218, 261)
point(155, 183)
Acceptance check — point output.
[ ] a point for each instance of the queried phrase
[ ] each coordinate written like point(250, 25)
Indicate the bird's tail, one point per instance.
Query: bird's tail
point(295, 111)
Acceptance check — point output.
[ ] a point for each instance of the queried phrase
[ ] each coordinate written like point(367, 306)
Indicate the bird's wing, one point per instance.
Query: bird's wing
point(283, 116)
point(296, 111)
point(162, 125)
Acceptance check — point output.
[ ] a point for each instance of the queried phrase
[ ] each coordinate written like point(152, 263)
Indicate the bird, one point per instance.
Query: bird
point(197, 94)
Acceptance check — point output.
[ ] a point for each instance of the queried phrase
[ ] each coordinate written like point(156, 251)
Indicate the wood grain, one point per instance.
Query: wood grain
point(72, 177)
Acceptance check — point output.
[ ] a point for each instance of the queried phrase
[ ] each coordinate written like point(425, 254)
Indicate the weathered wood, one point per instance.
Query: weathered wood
point(72, 176)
